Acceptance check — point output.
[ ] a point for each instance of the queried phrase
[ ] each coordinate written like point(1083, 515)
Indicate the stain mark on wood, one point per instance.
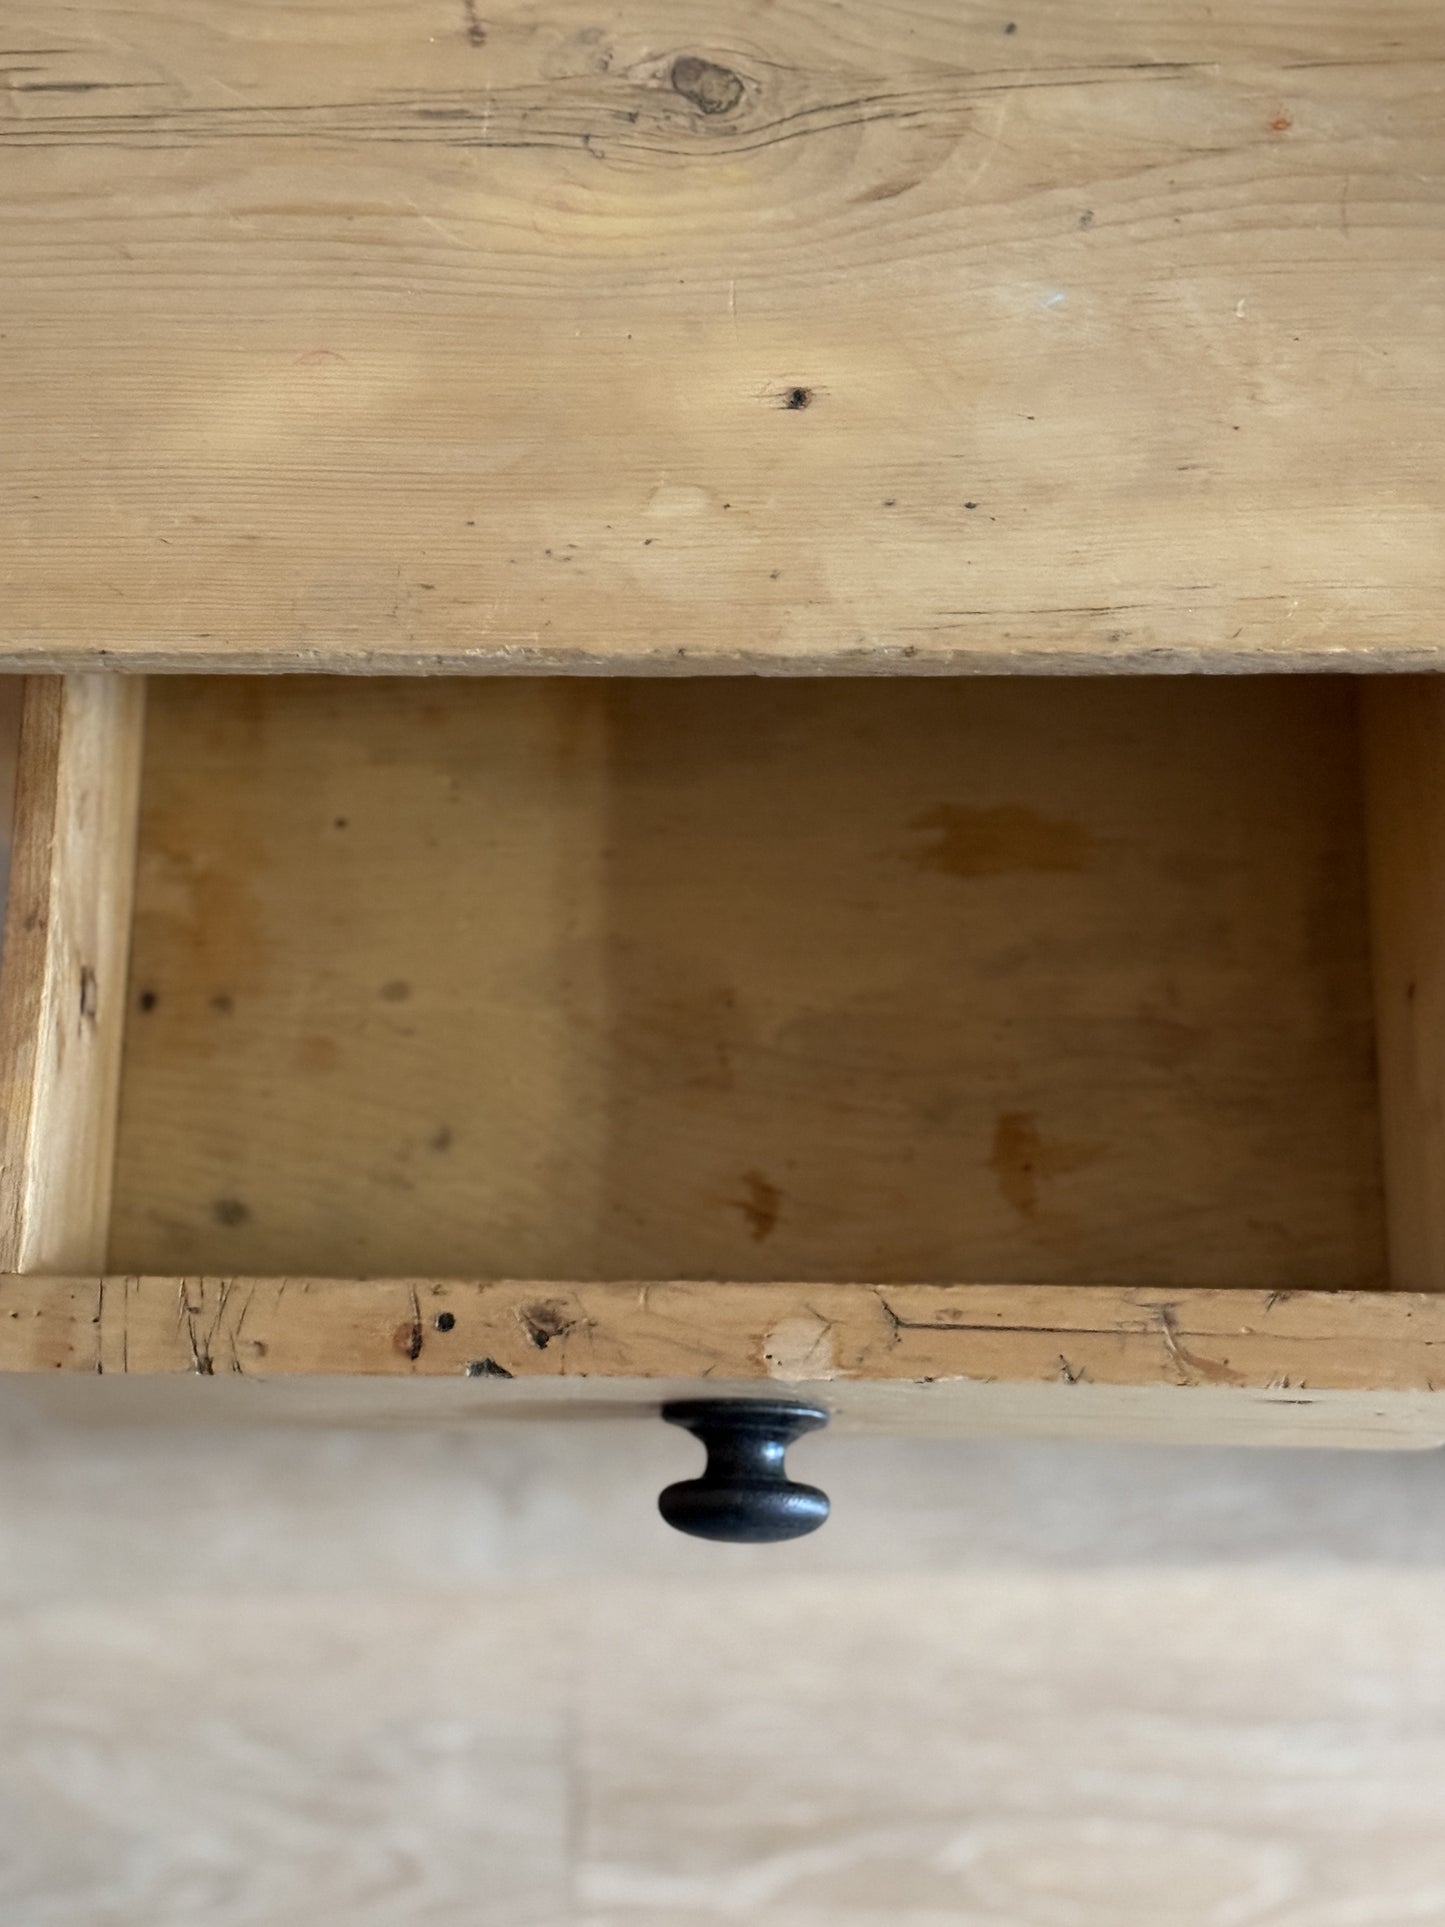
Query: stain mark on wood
point(1007, 840)
point(1022, 1156)
point(315, 1054)
point(761, 1205)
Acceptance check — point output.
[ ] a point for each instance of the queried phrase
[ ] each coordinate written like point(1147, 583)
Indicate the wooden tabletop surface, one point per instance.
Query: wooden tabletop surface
point(443, 335)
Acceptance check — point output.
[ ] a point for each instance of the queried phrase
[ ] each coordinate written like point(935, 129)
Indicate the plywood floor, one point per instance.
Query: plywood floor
point(273, 1678)
point(1029, 980)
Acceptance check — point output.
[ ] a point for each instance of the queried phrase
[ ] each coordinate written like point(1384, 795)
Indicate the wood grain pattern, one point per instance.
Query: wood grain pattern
point(67, 940)
point(293, 1803)
point(1342, 1370)
point(258, 1678)
point(815, 1334)
point(1055, 982)
point(1405, 768)
point(1106, 1748)
point(1100, 1748)
point(562, 334)
point(881, 1410)
point(12, 694)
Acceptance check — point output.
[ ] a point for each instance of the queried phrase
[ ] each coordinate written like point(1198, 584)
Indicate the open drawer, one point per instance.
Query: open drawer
point(969, 1053)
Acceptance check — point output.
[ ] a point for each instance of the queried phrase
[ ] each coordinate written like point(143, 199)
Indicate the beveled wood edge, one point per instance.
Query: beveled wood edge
point(1009, 656)
point(817, 1335)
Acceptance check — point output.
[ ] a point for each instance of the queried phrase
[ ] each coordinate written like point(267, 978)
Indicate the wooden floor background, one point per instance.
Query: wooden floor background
point(284, 1677)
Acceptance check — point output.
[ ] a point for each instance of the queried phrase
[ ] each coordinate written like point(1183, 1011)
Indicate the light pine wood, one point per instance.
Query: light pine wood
point(12, 695)
point(1112, 1742)
point(1286, 1342)
point(473, 1681)
point(67, 937)
point(1337, 1368)
point(1055, 982)
point(569, 335)
point(611, 1733)
point(1159, 1412)
point(611, 1740)
point(1405, 766)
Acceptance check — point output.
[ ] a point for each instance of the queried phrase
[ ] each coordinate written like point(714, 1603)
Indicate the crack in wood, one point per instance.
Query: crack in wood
point(418, 1335)
point(201, 1363)
point(901, 1324)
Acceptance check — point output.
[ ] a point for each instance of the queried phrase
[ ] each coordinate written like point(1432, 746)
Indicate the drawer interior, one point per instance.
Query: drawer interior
point(980, 979)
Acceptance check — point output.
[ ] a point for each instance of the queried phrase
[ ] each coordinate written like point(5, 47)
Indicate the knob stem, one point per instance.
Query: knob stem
point(744, 1494)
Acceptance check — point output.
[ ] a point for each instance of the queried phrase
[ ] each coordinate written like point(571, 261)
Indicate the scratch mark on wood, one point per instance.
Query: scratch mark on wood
point(201, 1363)
point(1188, 1363)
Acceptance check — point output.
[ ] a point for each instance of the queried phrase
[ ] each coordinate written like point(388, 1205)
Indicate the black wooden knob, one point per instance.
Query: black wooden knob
point(745, 1493)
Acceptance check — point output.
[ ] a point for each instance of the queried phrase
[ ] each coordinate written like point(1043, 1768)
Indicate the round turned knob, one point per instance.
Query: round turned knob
point(745, 1493)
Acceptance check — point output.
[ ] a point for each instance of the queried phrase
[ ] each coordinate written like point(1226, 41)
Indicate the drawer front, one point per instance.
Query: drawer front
point(980, 1056)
